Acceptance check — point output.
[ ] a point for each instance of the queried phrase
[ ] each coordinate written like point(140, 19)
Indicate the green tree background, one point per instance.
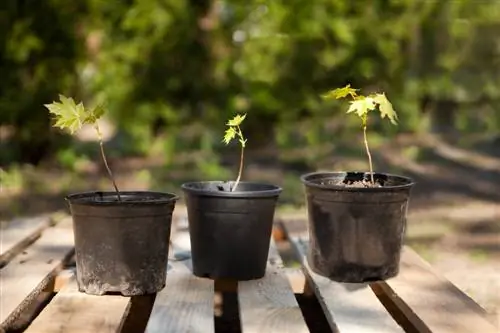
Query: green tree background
point(159, 65)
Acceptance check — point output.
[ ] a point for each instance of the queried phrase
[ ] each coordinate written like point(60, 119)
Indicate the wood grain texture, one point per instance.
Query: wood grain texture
point(24, 278)
point(186, 304)
point(349, 307)
point(17, 234)
point(268, 304)
point(432, 303)
point(71, 311)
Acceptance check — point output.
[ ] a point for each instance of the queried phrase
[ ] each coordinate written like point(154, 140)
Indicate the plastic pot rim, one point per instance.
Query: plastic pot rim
point(156, 198)
point(305, 179)
point(271, 191)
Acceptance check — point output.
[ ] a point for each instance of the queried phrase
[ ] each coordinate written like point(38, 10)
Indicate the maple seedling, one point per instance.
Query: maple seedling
point(362, 105)
point(234, 131)
point(71, 117)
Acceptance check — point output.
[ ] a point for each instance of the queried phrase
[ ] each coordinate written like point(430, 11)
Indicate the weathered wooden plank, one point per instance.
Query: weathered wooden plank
point(268, 304)
point(17, 234)
point(24, 278)
point(348, 307)
point(71, 311)
point(185, 305)
point(430, 302)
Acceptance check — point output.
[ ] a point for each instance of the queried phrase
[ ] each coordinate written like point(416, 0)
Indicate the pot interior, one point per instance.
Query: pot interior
point(343, 179)
point(126, 197)
point(223, 188)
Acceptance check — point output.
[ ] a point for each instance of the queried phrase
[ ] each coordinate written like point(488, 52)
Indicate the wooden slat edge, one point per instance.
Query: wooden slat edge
point(430, 302)
point(348, 307)
point(47, 221)
point(14, 318)
point(72, 311)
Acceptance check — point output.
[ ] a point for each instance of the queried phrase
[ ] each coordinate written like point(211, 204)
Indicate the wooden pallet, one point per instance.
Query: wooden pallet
point(38, 293)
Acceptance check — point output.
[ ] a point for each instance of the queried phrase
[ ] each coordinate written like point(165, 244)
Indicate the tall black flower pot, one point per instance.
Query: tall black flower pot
point(230, 232)
point(356, 233)
point(121, 246)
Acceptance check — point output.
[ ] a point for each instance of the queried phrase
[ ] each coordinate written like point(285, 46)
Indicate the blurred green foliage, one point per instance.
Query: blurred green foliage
point(161, 64)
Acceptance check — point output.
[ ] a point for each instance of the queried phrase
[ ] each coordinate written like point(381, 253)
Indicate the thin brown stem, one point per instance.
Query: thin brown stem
point(368, 152)
point(101, 144)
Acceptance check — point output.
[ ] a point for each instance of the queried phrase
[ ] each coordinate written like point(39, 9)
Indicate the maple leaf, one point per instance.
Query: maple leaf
point(237, 120)
point(229, 135)
point(340, 93)
point(362, 106)
point(385, 108)
point(69, 115)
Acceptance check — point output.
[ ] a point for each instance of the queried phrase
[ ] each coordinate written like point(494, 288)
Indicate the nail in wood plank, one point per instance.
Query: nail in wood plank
point(26, 276)
point(268, 304)
point(71, 311)
point(349, 307)
point(431, 302)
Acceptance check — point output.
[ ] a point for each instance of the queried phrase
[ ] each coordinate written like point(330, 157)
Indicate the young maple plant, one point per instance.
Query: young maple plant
point(234, 131)
point(70, 116)
point(362, 105)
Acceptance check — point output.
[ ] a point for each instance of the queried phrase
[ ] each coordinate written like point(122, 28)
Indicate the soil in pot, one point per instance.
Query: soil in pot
point(121, 246)
point(356, 229)
point(230, 231)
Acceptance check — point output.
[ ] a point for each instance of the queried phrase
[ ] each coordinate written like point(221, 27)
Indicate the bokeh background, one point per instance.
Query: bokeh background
point(171, 72)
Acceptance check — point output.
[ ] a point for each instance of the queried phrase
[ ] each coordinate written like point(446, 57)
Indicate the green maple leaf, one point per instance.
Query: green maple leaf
point(94, 115)
point(69, 115)
point(362, 106)
point(340, 93)
point(229, 135)
point(385, 108)
point(237, 120)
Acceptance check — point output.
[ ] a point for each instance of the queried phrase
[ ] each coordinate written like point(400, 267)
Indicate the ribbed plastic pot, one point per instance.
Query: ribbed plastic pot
point(230, 232)
point(356, 234)
point(121, 246)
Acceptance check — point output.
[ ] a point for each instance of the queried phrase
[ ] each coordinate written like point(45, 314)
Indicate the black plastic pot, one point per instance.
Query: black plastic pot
point(356, 234)
point(230, 232)
point(121, 246)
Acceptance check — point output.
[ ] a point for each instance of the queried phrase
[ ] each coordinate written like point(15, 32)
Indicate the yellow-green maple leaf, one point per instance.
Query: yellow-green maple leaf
point(362, 106)
point(69, 115)
point(385, 108)
point(229, 135)
point(340, 93)
point(237, 120)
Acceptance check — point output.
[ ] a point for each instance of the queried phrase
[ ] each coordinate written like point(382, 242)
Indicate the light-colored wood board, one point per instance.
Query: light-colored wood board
point(61, 280)
point(349, 307)
point(17, 234)
point(27, 276)
point(71, 311)
point(432, 303)
point(268, 304)
point(186, 304)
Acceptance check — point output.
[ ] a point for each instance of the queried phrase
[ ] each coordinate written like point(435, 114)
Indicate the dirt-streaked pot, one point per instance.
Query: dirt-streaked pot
point(356, 234)
point(121, 246)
